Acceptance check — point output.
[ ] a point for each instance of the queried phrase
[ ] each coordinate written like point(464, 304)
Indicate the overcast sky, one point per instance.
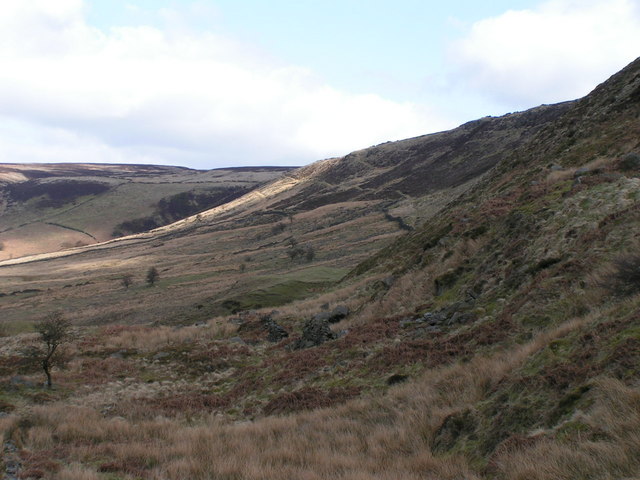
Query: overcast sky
point(213, 83)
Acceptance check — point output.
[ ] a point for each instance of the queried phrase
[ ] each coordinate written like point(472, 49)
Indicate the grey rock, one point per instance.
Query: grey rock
point(12, 467)
point(322, 316)
point(161, 355)
point(275, 332)
point(237, 340)
point(581, 171)
point(338, 313)
point(389, 281)
point(314, 332)
point(434, 318)
point(454, 318)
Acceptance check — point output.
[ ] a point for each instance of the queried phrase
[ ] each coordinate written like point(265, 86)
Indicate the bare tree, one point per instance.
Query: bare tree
point(127, 280)
point(152, 276)
point(53, 330)
point(309, 253)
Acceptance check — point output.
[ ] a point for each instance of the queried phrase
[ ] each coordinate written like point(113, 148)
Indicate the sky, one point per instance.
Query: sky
point(218, 83)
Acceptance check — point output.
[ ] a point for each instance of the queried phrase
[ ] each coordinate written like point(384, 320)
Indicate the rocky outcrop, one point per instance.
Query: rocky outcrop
point(334, 316)
point(275, 332)
point(315, 332)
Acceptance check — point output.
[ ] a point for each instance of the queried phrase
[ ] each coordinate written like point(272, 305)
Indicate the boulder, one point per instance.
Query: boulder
point(338, 313)
point(275, 332)
point(334, 316)
point(314, 332)
point(322, 316)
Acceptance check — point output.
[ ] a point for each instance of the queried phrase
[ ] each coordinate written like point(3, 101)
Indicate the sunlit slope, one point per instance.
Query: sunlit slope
point(48, 208)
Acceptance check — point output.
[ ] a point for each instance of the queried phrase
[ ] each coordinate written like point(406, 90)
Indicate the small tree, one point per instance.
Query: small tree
point(53, 331)
point(152, 276)
point(309, 253)
point(127, 280)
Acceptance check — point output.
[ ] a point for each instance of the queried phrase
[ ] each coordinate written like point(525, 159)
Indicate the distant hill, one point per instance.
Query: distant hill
point(46, 208)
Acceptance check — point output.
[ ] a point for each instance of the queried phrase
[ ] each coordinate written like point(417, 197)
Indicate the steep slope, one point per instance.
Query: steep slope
point(548, 242)
point(45, 208)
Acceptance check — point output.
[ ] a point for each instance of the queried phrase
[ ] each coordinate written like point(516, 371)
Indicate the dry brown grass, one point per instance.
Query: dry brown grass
point(568, 173)
point(368, 438)
point(77, 472)
point(600, 444)
point(8, 425)
point(150, 339)
point(349, 294)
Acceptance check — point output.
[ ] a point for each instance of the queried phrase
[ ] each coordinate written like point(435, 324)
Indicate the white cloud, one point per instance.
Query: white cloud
point(558, 51)
point(71, 91)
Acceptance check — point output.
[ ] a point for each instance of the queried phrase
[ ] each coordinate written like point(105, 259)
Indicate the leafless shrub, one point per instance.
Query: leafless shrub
point(127, 280)
point(53, 331)
point(152, 276)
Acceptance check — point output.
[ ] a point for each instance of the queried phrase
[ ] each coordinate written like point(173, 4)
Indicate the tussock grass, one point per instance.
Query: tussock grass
point(150, 339)
point(367, 438)
point(600, 444)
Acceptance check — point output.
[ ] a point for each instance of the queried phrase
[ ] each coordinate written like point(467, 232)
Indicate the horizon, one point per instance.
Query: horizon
point(212, 84)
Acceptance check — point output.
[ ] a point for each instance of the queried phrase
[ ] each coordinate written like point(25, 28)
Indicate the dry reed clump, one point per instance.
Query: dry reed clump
point(569, 173)
point(309, 398)
point(8, 426)
point(187, 405)
point(76, 472)
point(290, 367)
point(149, 339)
point(95, 371)
point(366, 334)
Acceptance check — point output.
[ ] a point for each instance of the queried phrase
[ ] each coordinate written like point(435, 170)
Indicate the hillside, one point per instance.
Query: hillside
point(470, 309)
point(47, 208)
